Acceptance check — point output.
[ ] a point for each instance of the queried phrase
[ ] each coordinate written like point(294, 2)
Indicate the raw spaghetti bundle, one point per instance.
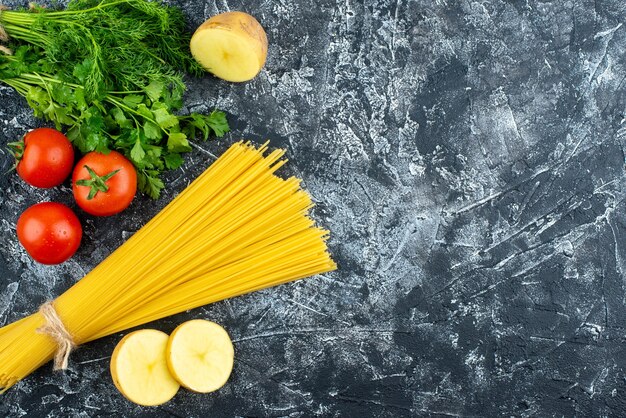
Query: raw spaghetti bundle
point(236, 229)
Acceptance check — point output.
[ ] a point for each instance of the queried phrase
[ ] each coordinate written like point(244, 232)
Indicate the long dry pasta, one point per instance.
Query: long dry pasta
point(236, 229)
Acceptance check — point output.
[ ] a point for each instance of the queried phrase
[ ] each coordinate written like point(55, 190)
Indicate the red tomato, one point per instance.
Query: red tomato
point(50, 232)
point(104, 184)
point(44, 157)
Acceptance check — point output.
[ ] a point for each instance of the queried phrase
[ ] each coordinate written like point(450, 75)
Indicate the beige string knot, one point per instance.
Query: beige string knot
point(54, 328)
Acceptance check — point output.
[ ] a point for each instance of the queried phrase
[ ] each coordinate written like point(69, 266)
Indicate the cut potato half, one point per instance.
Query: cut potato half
point(231, 45)
point(139, 368)
point(200, 355)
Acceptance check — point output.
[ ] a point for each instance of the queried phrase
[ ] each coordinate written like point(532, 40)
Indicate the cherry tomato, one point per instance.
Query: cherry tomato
point(104, 184)
point(50, 232)
point(44, 157)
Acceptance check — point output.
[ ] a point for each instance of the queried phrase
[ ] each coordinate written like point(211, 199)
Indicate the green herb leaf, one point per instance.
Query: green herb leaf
point(82, 70)
point(79, 99)
point(177, 142)
point(120, 117)
point(143, 110)
point(173, 161)
point(137, 153)
point(154, 90)
point(92, 133)
point(165, 119)
point(132, 100)
point(57, 114)
point(199, 121)
point(63, 94)
point(149, 183)
point(217, 121)
point(38, 100)
point(151, 131)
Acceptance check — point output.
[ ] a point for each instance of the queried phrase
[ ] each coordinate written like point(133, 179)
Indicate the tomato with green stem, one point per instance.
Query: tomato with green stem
point(44, 157)
point(104, 184)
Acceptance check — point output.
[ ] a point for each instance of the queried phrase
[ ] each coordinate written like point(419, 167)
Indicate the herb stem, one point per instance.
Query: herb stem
point(12, 15)
point(28, 35)
point(102, 5)
point(47, 78)
point(20, 87)
point(122, 105)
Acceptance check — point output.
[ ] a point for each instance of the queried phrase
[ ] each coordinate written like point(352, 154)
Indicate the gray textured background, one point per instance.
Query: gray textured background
point(468, 158)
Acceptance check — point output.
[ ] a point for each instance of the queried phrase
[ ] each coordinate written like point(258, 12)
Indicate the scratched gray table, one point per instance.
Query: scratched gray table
point(468, 158)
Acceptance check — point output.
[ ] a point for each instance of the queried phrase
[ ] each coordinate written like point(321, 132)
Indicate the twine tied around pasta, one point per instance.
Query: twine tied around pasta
point(55, 328)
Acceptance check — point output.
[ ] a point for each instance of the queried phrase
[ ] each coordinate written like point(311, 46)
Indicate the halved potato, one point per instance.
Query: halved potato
point(200, 355)
point(231, 45)
point(139, 368)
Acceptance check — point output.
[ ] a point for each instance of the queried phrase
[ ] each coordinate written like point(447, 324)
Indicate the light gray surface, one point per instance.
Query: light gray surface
point(468, 159)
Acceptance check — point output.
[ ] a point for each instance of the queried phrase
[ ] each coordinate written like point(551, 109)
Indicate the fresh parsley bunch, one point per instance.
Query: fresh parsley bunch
point(111, 73)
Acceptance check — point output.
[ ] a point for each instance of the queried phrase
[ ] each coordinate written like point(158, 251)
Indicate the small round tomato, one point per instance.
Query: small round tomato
point(104, 184)
point(45, 157)
point(50, 232)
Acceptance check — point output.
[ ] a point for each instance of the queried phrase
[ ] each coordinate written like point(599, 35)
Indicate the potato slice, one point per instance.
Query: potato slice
point(231, 45)
point(139, 368)
point(200, 355)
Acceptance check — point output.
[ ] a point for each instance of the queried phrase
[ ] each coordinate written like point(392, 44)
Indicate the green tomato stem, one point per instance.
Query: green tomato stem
point(96, 183)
